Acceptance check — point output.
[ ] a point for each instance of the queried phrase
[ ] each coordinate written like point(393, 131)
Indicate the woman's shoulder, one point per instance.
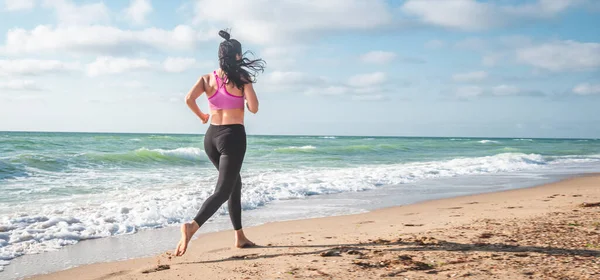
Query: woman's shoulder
point(206, 77)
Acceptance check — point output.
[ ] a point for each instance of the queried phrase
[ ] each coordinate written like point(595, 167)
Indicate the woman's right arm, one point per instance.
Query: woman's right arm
point(193, 94)
point(251, 99)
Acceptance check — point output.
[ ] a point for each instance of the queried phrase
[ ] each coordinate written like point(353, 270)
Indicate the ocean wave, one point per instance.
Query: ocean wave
point(296, 148)
point(11, 171)
point(25, 164)
point(190, 153)
point(160, 137)
point(328, 137)
point(130, 210)
point(40, 162)
point(344, 149)
point(149, 156)
point(523, 139)
point(569, 159)
point(489, 141)
point(365, 148)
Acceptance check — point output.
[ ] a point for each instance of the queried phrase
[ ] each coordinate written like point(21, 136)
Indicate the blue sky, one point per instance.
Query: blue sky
point(341, 67)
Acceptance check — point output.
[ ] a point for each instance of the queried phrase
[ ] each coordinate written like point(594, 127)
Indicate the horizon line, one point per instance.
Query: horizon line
point(306, 135)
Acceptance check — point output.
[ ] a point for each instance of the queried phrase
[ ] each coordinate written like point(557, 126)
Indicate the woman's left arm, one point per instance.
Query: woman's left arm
point(251, 99)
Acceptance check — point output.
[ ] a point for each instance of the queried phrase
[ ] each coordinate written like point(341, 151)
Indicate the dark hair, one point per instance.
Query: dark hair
point(239, 72)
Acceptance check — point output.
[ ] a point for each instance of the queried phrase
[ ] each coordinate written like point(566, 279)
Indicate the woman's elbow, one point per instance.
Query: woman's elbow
point(253, 108)
point(189, 100)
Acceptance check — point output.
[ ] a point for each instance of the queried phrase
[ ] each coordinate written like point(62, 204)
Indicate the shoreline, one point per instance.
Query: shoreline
point(284, 237)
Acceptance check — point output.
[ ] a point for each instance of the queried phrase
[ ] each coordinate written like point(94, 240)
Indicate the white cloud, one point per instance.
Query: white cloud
point(498, 91)
point(367, 80)
point(280, 57)
point(503, 90)
point(470, 76)
point(135, 84)
point(275, 21)
point(292, 78)
point(299, 82)
point(494, 44)
point(115, 65)
point(138, 10)
point(472, 44)
point(18, 5)
point(472, 15)
point(459, 14)
point(435, 44)
point(371, 97)
point(106, 65)
point(413, 60)
point(18, 85)
point(69, 13)
point(179, 64)
point(327, 90)
point(492, 59)
point(469, 91)
point(378, 57)
point(34, 66)
point(98, 39)
point(542, 8)
point(293, 81)
point(515, 41)
point(561, 56)
point(587, 89)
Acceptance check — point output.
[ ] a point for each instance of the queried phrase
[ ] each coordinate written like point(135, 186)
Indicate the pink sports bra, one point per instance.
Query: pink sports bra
point(222, 99)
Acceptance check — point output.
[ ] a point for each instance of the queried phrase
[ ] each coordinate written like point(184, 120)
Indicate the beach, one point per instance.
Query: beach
point(543, 232)
point(82, 199)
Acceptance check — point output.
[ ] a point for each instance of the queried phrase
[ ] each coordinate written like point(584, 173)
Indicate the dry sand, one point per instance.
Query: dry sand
point(545, 232)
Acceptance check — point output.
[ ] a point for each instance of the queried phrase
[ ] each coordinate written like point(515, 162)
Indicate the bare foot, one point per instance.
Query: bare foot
point(187, 231)
point(241, 241)
point(244, 243)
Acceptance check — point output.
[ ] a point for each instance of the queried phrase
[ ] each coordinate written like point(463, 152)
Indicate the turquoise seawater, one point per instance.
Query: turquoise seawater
point(59, 188)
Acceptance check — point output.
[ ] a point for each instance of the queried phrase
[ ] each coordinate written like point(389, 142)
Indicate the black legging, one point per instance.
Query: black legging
point(225, 146)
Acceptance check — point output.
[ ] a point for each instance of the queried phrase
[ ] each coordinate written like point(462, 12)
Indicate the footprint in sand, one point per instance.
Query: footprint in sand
point(218, 250)
point(114, 274)
point(156, 268)
point(243, 257)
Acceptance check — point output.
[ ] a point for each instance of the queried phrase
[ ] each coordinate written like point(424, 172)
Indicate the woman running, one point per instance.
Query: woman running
point(225, 140)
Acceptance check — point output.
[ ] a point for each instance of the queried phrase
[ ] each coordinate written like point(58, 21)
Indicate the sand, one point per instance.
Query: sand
point(545, 232)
